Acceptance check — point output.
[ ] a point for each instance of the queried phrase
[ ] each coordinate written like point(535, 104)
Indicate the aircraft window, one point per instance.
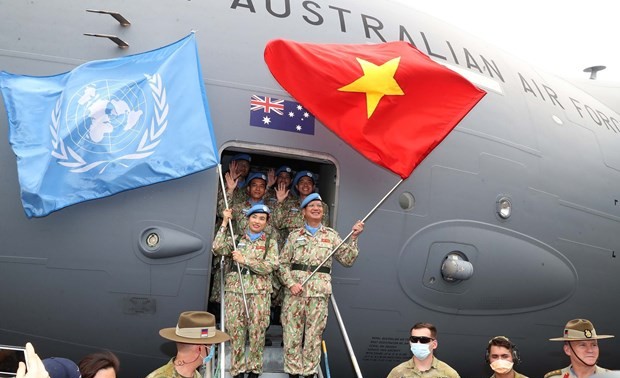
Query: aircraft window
point(504, 207)
point(406, 201)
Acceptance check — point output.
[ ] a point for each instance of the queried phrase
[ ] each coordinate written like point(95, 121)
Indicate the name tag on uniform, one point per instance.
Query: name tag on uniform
point(245, 211)
point(301, 241)
point(241, 244)
point(294, 209)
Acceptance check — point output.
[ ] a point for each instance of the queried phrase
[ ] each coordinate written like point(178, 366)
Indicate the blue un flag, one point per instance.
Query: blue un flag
point(109, 126)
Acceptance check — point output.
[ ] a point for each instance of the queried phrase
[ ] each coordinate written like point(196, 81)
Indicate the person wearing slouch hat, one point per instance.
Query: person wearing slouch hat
point(581, 346)
point(194, 334)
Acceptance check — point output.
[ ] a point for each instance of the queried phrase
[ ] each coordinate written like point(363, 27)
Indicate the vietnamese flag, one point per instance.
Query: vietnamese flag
point(389, 101)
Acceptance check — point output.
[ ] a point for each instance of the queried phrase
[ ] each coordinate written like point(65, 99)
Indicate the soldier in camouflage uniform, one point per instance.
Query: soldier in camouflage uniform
point(258, 257)
point(194, 334)
point(423, 342)
point(287, 210)
point(581, 346)
point(304, 311)
point(238, 171)
point(236, 180)
point(283, 176)
point(278, 183)
point(255, 194)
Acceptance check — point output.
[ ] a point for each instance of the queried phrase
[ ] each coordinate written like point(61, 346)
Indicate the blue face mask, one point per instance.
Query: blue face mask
point(420, 351)
point(206, 360)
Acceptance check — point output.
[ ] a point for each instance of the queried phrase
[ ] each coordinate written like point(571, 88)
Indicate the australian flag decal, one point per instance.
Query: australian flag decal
point(272, 113)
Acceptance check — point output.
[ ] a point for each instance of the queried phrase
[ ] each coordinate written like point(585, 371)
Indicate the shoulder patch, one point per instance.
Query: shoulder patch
point(553, 373)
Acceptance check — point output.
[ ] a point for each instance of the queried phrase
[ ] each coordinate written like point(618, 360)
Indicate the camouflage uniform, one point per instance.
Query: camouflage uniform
point(168, 371)
point(439, 369)
point(568, 372)
point(260, 260)
point(240, 223)
point(304, 316)
point(286, 217)
point(239, 195)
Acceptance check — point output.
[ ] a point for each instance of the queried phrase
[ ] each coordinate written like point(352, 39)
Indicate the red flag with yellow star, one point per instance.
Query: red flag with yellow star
point(389, 101)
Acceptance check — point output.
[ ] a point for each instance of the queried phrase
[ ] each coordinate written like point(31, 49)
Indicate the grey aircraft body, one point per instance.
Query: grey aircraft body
point(526, 189)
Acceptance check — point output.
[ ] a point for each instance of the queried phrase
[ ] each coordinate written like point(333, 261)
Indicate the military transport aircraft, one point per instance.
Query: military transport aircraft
point(523, 195)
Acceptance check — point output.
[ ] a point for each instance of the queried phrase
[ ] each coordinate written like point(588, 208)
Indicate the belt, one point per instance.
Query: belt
point(310, 268)
point(246, 271)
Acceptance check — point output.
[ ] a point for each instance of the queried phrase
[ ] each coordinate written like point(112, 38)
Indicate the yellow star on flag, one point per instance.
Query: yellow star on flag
point(377, 81)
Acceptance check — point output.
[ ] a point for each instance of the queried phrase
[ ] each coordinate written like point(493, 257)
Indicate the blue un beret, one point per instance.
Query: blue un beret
point(258, 209)
point(298, 177)
point(241, 157)
point(310, 198)
point(59, 367)
point(284, 168)
point(256, 175)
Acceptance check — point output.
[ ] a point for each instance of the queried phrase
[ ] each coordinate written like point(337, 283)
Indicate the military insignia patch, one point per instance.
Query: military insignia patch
point(587, 333)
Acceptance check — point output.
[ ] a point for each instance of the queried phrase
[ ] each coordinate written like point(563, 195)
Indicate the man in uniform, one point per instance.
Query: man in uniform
point(423, 342)
point(235, 178)
point(287, 208)
point(195, 335)
point(257, 256)
point(501, 355)
point(304, 310)
point(281, 177)
point(581, 346)
point(255, 195)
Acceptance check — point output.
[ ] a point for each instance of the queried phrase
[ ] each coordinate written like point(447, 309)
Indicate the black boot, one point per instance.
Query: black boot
point(293, 376)
point(252, 375)
point(240, 375)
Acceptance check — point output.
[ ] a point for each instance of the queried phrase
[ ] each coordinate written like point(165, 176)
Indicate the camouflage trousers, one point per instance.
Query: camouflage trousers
point(237, 327)
point(303, 321)
point(277, 292)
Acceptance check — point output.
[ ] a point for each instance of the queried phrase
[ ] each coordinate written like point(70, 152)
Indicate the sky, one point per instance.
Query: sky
point(561, 37)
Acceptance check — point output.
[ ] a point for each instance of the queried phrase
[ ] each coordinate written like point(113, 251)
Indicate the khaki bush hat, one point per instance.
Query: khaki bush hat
point(195, 327)
point(580, 329)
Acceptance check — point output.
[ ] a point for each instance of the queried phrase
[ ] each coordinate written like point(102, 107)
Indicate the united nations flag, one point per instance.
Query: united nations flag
point(109, 126)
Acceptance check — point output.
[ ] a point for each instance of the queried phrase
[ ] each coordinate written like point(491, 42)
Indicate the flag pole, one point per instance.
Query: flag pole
point(232, 234)
point(351, 233)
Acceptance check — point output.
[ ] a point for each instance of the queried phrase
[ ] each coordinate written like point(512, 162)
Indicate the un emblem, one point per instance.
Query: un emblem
point(104, 118)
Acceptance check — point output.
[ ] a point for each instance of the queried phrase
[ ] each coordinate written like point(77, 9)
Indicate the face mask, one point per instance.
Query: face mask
point(206, 360)
point(501, 366)
point(420, 351)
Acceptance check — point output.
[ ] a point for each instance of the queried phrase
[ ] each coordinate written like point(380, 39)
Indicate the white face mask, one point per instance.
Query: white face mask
point(420, 351)
point(501, 366)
